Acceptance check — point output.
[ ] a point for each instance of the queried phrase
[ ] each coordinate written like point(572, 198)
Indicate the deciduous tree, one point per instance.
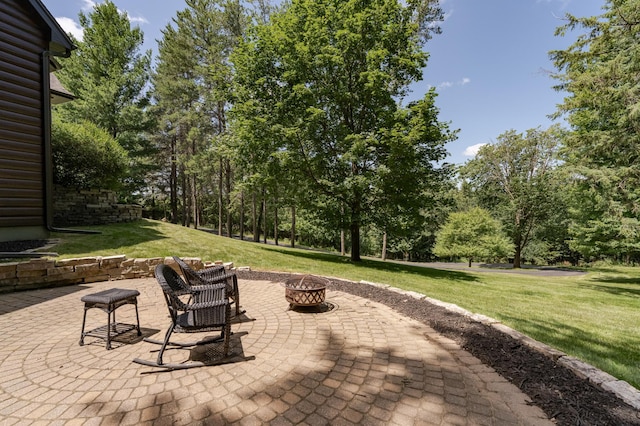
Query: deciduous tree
point(472, 234)
point(514, 178)
point(331, 74)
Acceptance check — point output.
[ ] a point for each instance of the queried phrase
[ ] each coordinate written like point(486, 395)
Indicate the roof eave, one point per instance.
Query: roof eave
point(60, 43)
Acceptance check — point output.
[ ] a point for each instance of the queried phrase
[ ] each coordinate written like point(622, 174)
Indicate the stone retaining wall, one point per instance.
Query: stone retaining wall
point(43, 272)
point(77, 207)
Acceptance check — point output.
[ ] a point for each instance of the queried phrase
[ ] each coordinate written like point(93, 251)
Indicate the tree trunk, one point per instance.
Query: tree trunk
point(355, 242)
point(469, 262)
point(220, 197)
point(254, 218)
point(185, 200)
point(173, 182)
point(275, 222)
point(242, 215)
point(384, 246)
point(264, 212)
point(517, 257)
point(228, 198)
point(355, 228)
point(192, 182)
point(518, 241)
point(293, 226)
point(343, 249)
point(194, 203)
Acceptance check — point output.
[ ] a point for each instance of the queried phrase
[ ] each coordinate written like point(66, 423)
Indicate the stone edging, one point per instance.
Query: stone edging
point(599, 378)
point(46, 272)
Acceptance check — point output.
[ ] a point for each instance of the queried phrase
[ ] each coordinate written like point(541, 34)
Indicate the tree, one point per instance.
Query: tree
point(86, 156)
point(514, 178)
point(330, 76)
point(472, 234)
point(109, 75)
point(599, 74)
point(191, 89)
point(600, 225)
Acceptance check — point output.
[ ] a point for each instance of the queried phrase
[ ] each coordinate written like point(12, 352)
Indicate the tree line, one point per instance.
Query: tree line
point(290, 123)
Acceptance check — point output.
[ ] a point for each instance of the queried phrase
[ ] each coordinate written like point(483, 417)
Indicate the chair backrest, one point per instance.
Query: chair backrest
point(172, 286)
point(213, 304)
point(189, 273)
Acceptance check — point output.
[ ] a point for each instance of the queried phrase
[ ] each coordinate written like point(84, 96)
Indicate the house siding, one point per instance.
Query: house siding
point(23, 38)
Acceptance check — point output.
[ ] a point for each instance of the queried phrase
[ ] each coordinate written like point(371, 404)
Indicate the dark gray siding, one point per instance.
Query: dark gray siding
point(23, 38)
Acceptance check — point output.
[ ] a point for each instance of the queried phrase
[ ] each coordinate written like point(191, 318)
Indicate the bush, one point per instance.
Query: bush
point(85, 156)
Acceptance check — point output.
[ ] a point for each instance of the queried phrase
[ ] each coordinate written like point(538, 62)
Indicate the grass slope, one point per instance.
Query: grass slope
point(593, 317)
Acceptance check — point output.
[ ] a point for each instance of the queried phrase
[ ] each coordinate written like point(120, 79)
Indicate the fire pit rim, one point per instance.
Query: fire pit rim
point(295, 281)
point(311, 293)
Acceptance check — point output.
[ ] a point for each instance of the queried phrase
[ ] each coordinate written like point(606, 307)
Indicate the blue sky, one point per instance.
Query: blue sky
point(490, 65)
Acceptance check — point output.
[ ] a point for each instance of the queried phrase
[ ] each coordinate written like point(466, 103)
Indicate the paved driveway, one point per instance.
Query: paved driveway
point(504, 268)
point(360, 363)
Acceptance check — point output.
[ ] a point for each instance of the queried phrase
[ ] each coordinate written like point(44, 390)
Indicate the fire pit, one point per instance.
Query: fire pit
point(305, 290)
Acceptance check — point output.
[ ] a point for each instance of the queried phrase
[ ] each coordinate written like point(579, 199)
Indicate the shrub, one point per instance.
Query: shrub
point(86, 156)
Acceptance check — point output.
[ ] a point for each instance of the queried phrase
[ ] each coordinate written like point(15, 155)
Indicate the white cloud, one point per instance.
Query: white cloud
point(71, 26)
point(138, 19)
point(563, 3)
point(472, 150)
point(88, 5)
point(448, 84)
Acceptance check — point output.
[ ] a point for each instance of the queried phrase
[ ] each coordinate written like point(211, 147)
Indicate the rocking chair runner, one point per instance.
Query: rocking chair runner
point(207, 310)
point(209, 276)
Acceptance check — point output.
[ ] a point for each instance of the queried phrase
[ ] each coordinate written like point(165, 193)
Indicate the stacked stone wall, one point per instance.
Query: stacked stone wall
point(78, 207)
point(42, 273)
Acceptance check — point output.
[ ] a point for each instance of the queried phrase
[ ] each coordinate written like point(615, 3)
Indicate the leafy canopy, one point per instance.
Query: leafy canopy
point(515, 178)
point(86, 156)
point(322, 83)
point(472, 234)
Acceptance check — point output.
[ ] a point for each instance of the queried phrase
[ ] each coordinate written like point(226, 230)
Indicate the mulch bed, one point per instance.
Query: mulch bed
point(566, 398)
point(19, 246)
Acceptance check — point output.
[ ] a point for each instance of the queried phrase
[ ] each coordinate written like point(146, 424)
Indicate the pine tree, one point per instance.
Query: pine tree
point(109, 74)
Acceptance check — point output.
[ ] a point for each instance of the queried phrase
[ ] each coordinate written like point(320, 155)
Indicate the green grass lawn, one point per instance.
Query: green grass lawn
point(594, 317)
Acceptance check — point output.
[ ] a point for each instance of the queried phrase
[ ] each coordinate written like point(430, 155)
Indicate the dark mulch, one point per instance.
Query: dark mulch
point(19, 246)
point(564, 397)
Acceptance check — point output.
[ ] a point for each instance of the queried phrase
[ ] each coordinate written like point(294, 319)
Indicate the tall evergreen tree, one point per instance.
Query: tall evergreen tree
point(191, 89)
point(599, 74)
point(109, 74)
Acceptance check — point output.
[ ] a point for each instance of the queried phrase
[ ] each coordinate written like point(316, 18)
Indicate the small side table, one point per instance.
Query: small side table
point(108, 301)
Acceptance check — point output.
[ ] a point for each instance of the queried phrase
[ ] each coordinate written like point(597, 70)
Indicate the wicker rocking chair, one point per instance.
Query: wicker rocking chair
point(209, 276)
point(207, 310)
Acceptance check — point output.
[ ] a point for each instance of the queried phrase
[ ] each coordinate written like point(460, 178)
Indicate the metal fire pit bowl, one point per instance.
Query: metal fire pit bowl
point(305, 290)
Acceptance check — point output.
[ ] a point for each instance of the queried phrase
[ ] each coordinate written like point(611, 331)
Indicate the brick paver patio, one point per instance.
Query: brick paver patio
point(360, 363)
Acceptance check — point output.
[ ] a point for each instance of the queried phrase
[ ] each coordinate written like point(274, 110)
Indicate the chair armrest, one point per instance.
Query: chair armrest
point(206, 305)
point(211, 275)
point(209, 293)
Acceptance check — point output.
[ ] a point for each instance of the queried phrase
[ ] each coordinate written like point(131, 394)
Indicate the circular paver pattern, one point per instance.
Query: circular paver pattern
point(358, 363)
